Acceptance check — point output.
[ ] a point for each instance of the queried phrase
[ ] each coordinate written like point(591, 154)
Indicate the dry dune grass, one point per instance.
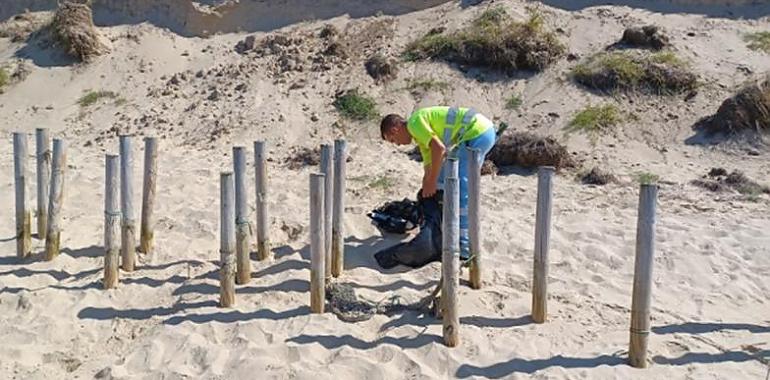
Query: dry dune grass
point(73, 27)
point(495, 41)
point(747, 110)
point(529, 151)
point(642, 71)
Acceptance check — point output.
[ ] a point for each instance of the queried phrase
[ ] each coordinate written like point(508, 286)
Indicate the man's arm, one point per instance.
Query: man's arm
point(433, 170)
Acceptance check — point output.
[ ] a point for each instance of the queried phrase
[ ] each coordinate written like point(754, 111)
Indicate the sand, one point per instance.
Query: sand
point(711, 294)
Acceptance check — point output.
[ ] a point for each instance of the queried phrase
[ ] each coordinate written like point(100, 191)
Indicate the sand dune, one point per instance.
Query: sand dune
point(711, 294)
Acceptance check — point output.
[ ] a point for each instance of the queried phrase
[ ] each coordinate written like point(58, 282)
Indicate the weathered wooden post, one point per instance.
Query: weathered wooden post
point(128, 225)
point(450, 256)
point(43, 155)
point(260, 163)
point(111, 221)
point(474, 214)
point(23, 214)
point(227, 240)
point(327, 167)
point(242, 227)
point(338, 217)
point(55, 199)
point(542, 244)
point(642, 296)
point(147, 235)
point(317, 254)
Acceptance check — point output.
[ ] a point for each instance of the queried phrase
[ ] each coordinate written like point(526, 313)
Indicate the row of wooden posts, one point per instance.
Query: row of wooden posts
point(50, 192)
point(326, 224)
point(327, 190)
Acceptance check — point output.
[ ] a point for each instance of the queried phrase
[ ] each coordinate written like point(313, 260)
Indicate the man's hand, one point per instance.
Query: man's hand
point(428, 188)
point(432, 171)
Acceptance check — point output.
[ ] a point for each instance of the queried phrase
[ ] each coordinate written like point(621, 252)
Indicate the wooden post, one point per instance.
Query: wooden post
point(128, 225)
point(55, 198)
point(327, 167)
point(227, 240)
point(450, 259)
point(338, 215)
point(242, 227)
point(23, 214)
point(147, 236)
point(43, 155)
point(642, 296)
point(111, 221)
point(474, 214)
point(451, 168)
point(260, 163)
point(317, 254)
point(542, 239)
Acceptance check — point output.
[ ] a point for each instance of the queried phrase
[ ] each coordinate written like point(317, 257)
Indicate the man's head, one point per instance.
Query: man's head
point(393, 130)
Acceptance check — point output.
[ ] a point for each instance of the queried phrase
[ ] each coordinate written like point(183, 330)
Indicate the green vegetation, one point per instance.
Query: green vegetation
point(381, 182)
point(355, 106)
point(427, 85)
point(513, 103)
point(493, 40)
point(759, 41)
point(661, 72)
point(594, 119)
point(646, 178)
point(3, 78)
point(92, 97)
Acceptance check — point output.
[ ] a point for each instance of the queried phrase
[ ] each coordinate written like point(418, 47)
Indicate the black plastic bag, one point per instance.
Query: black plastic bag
point(425, 247)
point(397, 217)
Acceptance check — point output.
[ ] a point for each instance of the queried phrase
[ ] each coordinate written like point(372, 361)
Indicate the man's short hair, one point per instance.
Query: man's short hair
point(389, 122)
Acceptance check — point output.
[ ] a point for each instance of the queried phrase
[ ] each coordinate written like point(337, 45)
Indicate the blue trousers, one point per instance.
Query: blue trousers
point(484, 144)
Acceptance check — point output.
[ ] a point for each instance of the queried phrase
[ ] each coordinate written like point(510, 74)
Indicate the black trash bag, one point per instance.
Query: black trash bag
point(397, 217)
point(424, 248)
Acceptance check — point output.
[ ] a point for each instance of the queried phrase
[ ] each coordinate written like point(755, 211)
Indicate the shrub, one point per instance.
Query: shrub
point(355, 106)
point(656, 73)
point(530, 151)
point(747, 110)
point(493, 40)
point(73, 28)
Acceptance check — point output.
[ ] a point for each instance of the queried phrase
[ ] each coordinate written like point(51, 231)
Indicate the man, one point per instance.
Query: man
point(426, 127)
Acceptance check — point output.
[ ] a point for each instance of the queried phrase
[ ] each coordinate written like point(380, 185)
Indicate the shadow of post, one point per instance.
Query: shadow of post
point(530, 366)
point(705, 327)
point(331, 342)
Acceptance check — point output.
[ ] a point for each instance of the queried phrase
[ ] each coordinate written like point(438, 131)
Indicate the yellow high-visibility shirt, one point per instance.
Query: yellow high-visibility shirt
point(427, 122)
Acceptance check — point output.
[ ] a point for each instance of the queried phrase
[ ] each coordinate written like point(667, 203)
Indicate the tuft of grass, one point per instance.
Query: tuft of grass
point(427, 85)
point(661, 72)
point(492, 40)
point(380, 182)
point(594, 119)
point(92, 97)
point(3, 78)
point(628, 72)
point(356, 106)
point(383, 183)
point(492, 17)
point(513, 103)
point(759, 41)
point(646, 178)
point(668, 58)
